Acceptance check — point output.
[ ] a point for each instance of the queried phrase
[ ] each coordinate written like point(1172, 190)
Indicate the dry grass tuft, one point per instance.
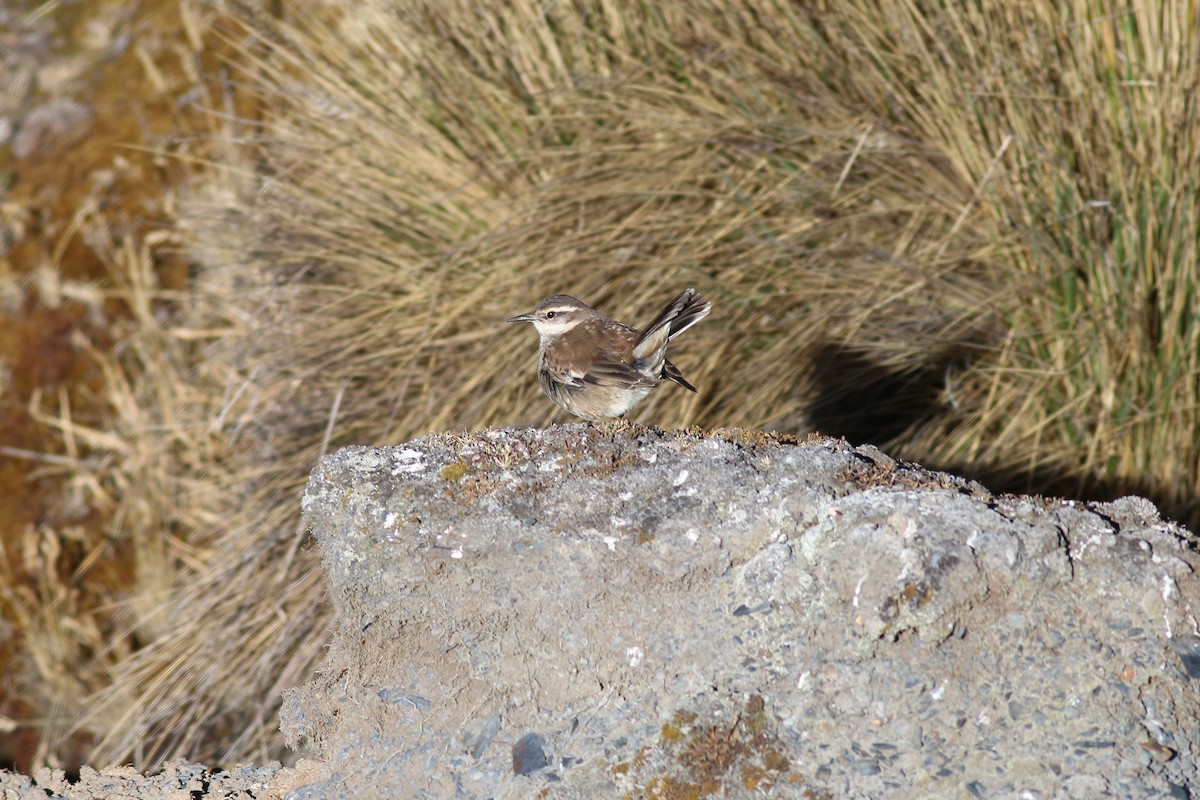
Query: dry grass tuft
point(965, 231)
point(90, 538)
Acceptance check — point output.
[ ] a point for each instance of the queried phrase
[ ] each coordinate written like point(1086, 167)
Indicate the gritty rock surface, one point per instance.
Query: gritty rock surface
point(583, 612)
point(178, 779)
point(586, 612)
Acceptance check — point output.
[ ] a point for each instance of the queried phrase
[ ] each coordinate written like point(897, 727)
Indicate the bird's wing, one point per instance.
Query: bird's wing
point(615, 372)
point(563, 375)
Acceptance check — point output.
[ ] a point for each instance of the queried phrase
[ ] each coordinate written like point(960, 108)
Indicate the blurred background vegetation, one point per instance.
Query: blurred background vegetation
point(233, 236)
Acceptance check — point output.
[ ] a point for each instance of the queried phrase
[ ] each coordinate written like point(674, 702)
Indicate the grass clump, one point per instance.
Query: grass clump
point(965, 232)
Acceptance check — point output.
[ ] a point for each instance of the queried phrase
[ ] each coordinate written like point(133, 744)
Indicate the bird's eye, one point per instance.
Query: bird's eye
point(549, 315)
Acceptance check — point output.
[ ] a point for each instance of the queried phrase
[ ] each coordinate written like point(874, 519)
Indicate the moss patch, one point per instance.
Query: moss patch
point(454, 471)
point(696, 758)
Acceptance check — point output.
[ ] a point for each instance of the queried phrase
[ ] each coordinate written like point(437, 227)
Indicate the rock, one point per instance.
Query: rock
point(175, 779)
point(529, 755)
point(731, 614)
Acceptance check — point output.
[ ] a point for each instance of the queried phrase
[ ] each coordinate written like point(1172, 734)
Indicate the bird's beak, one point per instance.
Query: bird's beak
point(521, 318)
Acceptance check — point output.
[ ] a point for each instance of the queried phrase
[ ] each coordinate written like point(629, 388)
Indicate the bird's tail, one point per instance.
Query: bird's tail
point(683, 312)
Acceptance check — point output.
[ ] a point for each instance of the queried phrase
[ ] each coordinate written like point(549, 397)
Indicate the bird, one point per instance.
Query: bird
point(597, 368)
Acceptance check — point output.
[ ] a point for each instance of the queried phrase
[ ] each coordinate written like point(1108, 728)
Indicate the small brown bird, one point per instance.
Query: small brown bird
point(595, 367)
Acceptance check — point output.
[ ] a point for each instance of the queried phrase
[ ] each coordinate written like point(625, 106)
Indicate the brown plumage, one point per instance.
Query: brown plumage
point(596, 367)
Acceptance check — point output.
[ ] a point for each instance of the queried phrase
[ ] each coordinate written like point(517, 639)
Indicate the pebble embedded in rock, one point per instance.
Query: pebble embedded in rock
point(529, 754)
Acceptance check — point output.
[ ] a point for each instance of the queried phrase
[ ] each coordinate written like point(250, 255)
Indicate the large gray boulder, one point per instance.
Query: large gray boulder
point(608, 612)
